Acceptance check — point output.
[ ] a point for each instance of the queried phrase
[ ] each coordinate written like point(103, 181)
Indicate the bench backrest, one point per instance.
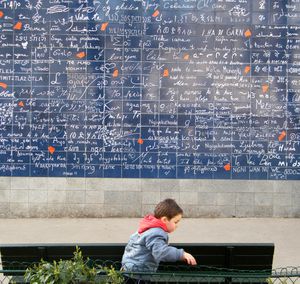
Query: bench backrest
point(247, 256)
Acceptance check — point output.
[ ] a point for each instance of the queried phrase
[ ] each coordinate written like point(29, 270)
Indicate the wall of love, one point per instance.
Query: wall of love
point(150, 89)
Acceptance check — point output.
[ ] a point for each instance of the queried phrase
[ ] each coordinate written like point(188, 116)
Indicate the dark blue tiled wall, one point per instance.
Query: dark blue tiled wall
point(150, 89)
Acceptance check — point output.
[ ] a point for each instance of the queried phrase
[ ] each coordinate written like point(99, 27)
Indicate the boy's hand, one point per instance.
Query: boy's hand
point(189, 258)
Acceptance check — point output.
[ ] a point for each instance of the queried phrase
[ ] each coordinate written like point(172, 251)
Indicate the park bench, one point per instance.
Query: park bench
point(226, 260)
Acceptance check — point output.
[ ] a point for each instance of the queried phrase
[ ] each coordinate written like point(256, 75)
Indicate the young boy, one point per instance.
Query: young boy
point(149, 245)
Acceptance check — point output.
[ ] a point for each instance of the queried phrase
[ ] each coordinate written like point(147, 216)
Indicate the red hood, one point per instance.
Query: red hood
point(149, 222)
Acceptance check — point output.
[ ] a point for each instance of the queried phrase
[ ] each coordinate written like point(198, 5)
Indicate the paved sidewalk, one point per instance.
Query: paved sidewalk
point(285, 233)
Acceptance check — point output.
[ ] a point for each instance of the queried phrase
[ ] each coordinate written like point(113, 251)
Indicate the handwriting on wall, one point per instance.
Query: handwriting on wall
point(150, 89)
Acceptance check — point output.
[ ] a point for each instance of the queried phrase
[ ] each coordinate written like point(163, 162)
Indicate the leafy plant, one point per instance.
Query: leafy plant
point(113, 276)
point(73, 271)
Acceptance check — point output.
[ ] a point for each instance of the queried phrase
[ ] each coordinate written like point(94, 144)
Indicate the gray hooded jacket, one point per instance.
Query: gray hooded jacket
point(145, 251)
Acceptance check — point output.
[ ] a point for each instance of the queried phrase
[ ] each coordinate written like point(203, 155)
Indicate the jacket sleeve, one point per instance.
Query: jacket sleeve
point(161, 251)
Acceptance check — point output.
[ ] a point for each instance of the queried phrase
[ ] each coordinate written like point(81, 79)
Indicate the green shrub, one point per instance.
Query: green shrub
point(73, 271)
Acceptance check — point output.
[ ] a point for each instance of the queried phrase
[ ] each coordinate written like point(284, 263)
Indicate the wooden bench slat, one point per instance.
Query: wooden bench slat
point(230, 255)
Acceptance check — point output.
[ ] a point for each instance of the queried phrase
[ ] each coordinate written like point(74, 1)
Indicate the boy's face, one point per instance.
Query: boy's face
point(172, 224)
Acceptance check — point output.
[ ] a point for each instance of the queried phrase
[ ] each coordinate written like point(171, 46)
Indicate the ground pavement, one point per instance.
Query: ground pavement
point(285, 233)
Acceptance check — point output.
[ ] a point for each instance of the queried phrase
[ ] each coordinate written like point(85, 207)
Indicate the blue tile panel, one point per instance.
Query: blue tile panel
point(150, 89)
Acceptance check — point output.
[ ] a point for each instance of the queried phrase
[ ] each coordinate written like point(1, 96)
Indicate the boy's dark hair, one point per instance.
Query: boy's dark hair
point(168, 208)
